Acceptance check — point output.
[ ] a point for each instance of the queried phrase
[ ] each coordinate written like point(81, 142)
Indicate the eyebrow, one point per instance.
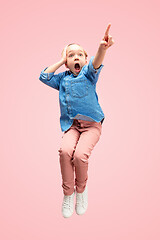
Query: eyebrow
point(73, 51)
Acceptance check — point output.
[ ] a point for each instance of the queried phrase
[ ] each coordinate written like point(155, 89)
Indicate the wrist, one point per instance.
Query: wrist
point(62, 61)
point(103, 47)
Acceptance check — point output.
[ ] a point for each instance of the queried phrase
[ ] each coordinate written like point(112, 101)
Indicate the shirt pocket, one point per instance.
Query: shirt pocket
point(79, 88)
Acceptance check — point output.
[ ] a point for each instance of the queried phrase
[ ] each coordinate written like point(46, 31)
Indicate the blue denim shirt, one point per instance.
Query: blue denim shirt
point(77, 94)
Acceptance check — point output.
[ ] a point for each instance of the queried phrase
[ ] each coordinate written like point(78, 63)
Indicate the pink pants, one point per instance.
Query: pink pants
point(76, 146)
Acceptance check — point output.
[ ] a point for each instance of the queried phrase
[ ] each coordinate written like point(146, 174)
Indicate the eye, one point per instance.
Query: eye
point(70, 55)
point(80, 54)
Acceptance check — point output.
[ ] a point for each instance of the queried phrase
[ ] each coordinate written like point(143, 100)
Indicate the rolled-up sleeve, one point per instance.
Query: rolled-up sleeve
point(91, 73)
point(51, 79)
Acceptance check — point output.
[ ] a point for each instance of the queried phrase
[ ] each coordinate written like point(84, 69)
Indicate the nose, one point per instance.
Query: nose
point(76, 57)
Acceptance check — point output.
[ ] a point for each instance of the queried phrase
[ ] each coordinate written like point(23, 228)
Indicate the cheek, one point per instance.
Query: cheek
point(70, 62)
point(84, 61)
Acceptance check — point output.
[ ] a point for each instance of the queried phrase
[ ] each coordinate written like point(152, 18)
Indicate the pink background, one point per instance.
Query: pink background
point(124, 170)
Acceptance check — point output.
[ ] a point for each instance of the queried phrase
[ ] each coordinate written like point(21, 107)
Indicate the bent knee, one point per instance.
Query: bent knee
point(66, 152)
point(80, 158)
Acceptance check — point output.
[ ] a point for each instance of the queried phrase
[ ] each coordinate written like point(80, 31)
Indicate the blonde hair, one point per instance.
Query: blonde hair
point(86, 55)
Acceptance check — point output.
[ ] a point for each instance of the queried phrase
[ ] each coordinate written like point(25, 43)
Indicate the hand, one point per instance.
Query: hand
point(64, 56)
point(107, 40)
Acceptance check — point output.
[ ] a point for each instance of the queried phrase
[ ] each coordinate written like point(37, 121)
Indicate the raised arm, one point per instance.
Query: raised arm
point(106, 42)
point(55, 66)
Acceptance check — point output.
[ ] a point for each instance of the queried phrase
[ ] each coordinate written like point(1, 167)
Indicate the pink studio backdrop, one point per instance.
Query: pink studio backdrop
point(124, 170)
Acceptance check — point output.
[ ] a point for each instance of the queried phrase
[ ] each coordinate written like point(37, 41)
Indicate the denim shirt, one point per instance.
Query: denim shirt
point(77, 94)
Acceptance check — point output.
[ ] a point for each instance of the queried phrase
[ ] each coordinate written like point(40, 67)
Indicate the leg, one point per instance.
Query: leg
point(69, 141)
point(87, 141)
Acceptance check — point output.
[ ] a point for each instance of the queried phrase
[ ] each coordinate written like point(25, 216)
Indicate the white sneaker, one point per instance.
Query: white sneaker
point(68, 205)
point(82, 202)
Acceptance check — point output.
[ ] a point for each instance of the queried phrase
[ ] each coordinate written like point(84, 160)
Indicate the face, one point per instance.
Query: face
point(75, 58)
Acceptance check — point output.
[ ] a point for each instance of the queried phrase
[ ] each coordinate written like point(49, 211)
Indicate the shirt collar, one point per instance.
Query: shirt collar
point(71, 73)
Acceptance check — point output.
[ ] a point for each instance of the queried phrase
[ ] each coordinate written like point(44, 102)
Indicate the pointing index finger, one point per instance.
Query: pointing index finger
point(107, 31)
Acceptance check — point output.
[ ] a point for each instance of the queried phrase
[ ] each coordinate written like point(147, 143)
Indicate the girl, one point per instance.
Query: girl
point(81, 118)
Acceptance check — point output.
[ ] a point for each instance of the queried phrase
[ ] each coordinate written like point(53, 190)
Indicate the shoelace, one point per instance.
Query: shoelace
point(67, 202)
point(80, 200)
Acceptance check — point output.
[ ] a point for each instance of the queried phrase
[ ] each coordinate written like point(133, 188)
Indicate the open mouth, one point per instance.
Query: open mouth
point(77, 67)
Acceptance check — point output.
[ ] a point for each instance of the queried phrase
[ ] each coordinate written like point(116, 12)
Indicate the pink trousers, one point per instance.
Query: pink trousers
point(76, 146)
